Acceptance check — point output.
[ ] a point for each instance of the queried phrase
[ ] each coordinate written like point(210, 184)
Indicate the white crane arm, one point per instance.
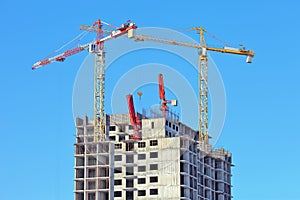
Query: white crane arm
point(61, 57)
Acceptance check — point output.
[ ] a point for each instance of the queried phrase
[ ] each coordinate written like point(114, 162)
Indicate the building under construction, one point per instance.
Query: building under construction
point(133, 157)
point(169, 162)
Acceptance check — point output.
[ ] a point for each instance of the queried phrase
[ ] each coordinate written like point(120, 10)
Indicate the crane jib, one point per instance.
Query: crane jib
point(73, 51)
point(45, 62)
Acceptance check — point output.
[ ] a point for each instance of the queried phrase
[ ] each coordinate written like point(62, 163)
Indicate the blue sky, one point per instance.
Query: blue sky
point(262, 121)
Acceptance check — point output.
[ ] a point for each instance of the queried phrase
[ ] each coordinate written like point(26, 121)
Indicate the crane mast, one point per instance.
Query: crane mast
point(202, 71)
point(203, 89)
point(99, 85)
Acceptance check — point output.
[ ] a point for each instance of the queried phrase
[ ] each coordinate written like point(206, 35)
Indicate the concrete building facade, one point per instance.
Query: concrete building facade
point(168, 163)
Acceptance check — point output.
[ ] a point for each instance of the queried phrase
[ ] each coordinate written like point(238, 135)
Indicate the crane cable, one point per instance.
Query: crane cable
point(77, 38)
point(111, 25)
point(208, 33)
point(218, 39)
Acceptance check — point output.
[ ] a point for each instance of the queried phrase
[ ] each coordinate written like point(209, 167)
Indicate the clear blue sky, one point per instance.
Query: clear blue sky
point(262, 122)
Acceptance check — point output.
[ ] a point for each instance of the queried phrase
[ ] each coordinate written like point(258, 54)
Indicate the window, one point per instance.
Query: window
point(103, 184)
point(103, 171)
point(153, 142)
point(154, 179)
point(79, 147)
point(91, 173)
point(118, 193)
point(218, 165)
point(118, 157)
point(141, 156)
point(118, 146)
point(118, 170)
point(121, 138)
point(207, 193)
point(152, 125)
point(141, 192)
point(89, 139)
point(153, 167)
point(79, 173)
point(141, 180)
point(92, 161)
point(112, 128)
point(91, 196)
point(129, 171)
point(129, 183)
point(79, 185)
point(129, 195)
point(141, 144)
point(79, 195)
point(112, 138)
point(206, 182)
point(118, 182)
point(141, 168)
point(129, 146)
point(129, 159)
point(91, 185)
point(103, 147)
point(173, 126)
point(153, 154)
point(130, 127)
point(91, 148)
point(170, 124)
point(153, 191)
point(176, 128)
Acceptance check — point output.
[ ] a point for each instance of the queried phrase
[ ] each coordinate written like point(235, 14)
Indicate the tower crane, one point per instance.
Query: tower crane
point(134, 119)
point(164, 108)
point(203, 70)
point(97, 48)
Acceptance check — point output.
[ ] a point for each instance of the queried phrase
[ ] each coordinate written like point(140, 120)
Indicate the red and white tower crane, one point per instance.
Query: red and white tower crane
point(161, 88)
point(134, 119)
point(97, 48)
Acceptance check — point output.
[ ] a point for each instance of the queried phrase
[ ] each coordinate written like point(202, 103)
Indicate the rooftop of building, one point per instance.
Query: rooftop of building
point(118, 125)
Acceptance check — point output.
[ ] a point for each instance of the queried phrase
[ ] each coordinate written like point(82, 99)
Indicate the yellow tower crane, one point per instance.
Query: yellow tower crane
point(203, 71)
